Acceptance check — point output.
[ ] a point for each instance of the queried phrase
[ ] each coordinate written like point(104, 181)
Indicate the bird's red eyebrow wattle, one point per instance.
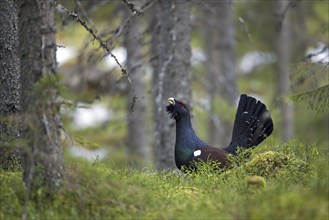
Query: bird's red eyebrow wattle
point(181, 104)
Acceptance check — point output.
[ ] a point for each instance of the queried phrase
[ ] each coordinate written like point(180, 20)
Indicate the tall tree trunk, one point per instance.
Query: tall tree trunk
point(43, 162)
point(221, 70)
point(301, 29)
point(284, 59)
point(172, 71)
point(139, 152)
point(9, 84)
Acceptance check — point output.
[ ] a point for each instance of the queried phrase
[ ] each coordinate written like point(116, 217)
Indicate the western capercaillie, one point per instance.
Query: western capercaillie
point(252, 125)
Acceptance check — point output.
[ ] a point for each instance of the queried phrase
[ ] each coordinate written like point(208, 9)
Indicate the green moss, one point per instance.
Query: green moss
point(103, 191)
point(256, 181)
point(270, 163)
point(12, 194)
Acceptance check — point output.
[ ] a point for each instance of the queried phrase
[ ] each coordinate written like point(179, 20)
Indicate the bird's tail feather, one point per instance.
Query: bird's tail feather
point(252, 124)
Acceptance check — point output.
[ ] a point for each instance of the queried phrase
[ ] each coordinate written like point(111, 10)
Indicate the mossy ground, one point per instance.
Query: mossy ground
point(294, 186)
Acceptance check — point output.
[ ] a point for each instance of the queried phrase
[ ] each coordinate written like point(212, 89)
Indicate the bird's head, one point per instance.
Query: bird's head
point(177, 109)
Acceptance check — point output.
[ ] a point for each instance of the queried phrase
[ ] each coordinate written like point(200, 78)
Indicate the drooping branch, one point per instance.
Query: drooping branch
point(103, 45)
point(74, 16)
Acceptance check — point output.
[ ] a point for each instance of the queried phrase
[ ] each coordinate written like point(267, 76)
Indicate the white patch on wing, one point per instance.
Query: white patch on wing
point(197, 153)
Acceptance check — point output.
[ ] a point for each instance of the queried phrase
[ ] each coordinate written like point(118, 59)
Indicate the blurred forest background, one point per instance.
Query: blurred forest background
point(91, 79)
point(276, 51)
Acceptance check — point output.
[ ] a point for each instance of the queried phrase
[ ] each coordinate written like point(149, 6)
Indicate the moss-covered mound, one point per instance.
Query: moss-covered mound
point(270, 163)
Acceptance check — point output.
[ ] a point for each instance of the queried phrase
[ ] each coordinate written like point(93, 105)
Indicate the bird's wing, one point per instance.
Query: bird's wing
point(211, 153)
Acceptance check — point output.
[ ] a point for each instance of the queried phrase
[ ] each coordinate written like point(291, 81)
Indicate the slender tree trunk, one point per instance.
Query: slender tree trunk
point(221, 70)
point(9, 85)
point(43, 163)
point(172, 71)
point(301, 29)
point(284, 59)
point(139, 152)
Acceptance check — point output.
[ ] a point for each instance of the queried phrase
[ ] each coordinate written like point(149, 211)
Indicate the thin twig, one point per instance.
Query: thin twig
point(118, 31)
point(78, 3)
point(103, 45)
point(132, 7)
point(100, 41)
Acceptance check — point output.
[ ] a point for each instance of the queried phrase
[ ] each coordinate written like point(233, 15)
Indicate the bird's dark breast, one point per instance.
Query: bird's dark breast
point(183, 156)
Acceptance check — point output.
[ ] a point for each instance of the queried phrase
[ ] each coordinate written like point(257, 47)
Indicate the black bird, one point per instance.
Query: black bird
point(252, 125)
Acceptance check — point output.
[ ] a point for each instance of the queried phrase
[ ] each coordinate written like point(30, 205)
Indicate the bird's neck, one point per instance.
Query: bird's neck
point(185, 135)
point(186, 142)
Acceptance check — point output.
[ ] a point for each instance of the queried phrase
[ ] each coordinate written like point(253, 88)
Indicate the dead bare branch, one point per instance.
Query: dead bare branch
point(132, 7)
point(103, 45)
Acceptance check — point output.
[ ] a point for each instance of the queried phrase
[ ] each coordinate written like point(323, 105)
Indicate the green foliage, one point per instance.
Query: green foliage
point(317, 99)
point(10, 159)
point(210, 168)
point(103, 191)
point(310, 84)
point(47, 88)
point(87, 143)
point(12, 194)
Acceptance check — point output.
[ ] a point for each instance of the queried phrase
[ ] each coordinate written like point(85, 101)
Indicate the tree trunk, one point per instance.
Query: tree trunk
point(43, 162)
point(221, 70)
point(301, 29)
point(172, 71)
point(9, 85)
point(284, 58)
point(138, 149)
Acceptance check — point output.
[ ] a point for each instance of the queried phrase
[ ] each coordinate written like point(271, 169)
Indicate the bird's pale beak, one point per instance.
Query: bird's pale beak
point(171, 101)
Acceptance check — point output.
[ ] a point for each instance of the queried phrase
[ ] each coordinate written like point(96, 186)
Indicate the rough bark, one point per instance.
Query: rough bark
point(9, 85)
point(172, 71)
point(284, 59)
point(138, 149)
point(221, 70)
point(43, 163)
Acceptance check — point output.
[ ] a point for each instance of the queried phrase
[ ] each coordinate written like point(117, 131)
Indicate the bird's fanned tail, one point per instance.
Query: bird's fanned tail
point(252, 124)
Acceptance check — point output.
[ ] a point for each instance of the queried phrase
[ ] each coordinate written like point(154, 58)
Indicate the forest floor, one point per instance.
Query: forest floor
point(285, 182)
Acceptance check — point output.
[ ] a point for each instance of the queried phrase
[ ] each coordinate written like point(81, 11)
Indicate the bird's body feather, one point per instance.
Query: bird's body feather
point(213, 153)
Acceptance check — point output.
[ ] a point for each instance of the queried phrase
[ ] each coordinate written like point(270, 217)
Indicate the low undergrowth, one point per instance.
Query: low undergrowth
point(285, 182)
